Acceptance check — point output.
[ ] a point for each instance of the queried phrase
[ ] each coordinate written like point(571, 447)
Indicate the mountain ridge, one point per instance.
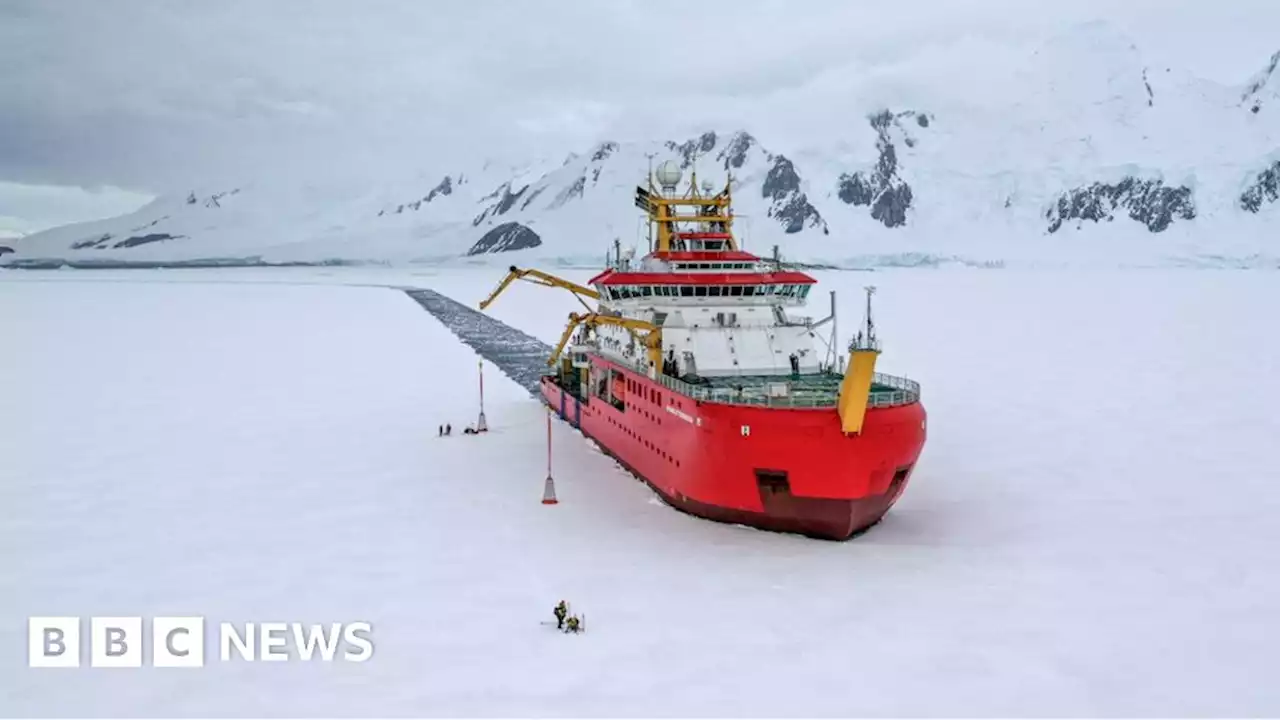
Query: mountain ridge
point(1084, 151)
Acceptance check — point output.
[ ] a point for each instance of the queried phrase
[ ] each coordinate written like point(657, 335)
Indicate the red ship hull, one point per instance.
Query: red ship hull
point(782, 469)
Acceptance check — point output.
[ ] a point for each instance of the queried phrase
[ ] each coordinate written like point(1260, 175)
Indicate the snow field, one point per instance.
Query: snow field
point(1089, 531)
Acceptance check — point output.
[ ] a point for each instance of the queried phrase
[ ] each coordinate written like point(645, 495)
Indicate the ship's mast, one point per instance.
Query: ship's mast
point(871, 326)
point(649, 216)
point(662, 203)
point(866, 338)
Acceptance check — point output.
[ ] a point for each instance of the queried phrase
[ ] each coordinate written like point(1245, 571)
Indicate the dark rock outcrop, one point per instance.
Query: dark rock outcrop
point(102, 242)
point(734, 155)
point(506, 237)
point(94, 242)
point(1254, 98)
point(1149, 202)
point(444, 188)
point(604, 150)
point(506, 199)
point(569, 193)
point(1265, 188)
point(532, 196)
point(136, 240)
point(789, 206)
point(881, 189)
point(690, 149)
point(5, 250)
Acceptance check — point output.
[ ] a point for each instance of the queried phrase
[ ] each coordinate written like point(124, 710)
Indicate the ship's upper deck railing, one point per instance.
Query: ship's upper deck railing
point(902, 392)
point(886, 391)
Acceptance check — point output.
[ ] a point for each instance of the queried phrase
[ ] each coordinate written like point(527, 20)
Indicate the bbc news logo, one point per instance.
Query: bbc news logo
point(119, 642)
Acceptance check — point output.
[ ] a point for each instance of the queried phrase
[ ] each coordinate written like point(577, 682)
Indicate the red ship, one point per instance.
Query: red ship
point(692, 374)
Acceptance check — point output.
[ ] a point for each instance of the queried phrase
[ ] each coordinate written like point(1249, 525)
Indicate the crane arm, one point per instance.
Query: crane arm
point(537, 277)
point(574, 321)
point(652, 338)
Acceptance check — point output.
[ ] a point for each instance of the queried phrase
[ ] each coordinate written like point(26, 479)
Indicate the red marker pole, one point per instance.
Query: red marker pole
point(549, 489)
point(481, 424)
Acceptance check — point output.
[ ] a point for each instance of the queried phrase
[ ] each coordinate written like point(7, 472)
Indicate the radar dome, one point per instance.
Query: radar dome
point(668, 174)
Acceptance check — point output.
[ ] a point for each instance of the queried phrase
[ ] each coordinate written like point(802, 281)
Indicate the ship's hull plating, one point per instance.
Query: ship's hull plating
point(782, 469)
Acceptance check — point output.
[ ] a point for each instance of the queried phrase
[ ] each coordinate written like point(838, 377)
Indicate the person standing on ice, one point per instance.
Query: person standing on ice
point(448, 429)
point(560, 612)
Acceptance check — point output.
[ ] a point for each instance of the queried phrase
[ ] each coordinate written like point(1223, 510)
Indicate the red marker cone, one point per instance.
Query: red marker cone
point(549, 492)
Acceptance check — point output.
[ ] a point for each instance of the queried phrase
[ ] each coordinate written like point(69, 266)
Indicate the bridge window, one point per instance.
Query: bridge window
point(686, 291)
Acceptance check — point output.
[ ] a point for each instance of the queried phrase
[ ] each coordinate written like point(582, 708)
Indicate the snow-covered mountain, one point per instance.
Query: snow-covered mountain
point(1079, 152)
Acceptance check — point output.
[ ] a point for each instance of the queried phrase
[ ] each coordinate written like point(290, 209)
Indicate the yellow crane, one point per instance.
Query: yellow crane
point(651, 337)
point(537, 277)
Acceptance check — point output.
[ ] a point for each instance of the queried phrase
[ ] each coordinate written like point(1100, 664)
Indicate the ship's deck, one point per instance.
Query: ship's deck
point(810, 390)
point(817, 390)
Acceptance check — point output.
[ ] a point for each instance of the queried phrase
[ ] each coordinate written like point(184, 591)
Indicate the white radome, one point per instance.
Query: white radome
point(669, 173)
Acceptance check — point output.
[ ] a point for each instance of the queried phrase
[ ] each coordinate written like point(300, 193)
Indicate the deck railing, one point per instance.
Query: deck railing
point(902, 392)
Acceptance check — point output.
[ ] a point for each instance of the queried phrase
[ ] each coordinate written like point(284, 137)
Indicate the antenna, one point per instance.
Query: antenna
point(835, 334)
point(871, 326)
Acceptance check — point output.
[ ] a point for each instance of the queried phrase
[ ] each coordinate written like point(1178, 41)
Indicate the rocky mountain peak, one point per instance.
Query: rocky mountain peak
point(888, 196)
point(1264, 88)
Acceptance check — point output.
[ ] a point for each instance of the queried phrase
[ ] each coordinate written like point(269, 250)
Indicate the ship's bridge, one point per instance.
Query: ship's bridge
point(702, 241)
point(680, 286)
point(721, 313)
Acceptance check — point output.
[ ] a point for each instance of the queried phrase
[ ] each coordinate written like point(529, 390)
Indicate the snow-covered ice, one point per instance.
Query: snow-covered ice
point(1091, 530)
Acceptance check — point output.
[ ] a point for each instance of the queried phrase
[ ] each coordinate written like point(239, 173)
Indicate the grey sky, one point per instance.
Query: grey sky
point(156, 94)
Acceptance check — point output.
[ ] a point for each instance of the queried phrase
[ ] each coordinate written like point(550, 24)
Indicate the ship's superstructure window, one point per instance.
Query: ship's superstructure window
point(713, 266)
point(626, 292)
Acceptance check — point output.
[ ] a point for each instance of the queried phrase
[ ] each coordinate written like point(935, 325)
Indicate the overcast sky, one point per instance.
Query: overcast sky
point(150, 96)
